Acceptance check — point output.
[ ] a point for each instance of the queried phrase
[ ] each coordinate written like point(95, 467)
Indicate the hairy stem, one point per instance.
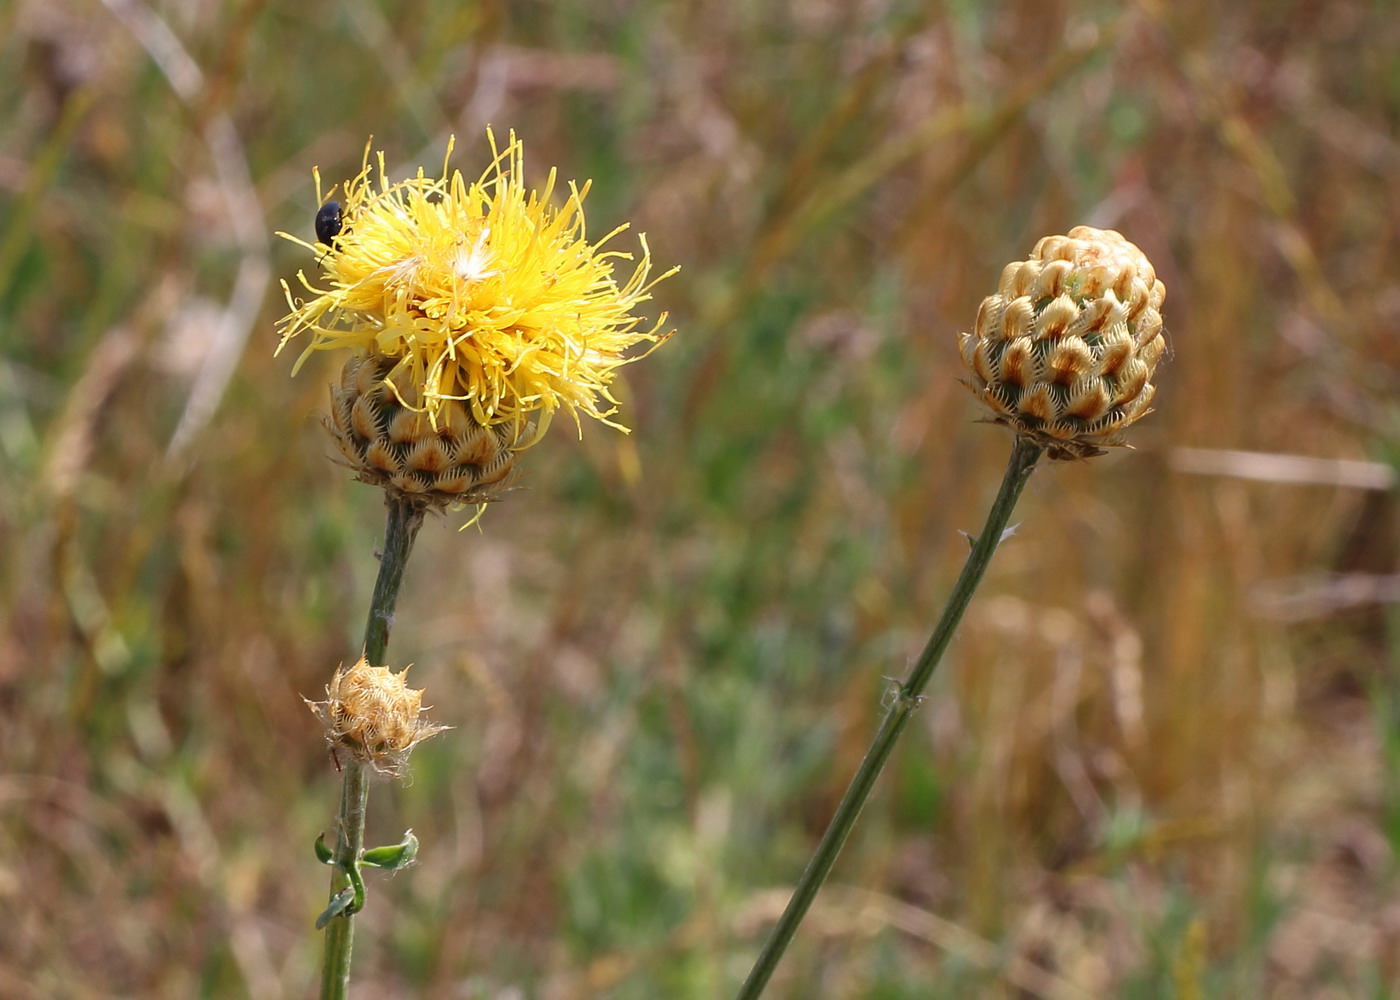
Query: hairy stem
point(904, 700)
point(405, 518)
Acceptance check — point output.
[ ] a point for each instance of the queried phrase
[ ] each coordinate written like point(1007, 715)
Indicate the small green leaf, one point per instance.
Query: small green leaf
point(323, 852)
point(339, 902)
point(393, 857)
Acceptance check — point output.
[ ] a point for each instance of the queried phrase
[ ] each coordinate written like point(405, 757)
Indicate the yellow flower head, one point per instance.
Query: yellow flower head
point(480, 292)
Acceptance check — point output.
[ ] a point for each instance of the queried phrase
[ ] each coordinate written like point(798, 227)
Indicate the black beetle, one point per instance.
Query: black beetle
point(328, 222)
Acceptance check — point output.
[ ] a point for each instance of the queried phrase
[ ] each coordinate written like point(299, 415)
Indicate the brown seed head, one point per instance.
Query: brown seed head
point(373, 713)
point(391, 443)
point(1064, 352)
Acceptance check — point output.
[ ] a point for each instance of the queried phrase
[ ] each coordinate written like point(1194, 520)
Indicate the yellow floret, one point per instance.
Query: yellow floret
point(482, 293)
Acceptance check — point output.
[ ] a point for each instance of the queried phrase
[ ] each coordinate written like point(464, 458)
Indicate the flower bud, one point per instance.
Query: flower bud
point(1064, 352)
point(375, 715)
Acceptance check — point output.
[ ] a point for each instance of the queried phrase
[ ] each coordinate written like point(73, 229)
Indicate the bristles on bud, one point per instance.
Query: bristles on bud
point(374, 714)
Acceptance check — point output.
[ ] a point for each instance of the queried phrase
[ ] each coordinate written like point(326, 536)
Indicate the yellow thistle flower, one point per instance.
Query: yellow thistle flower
point(483, 297)
point(373, 713)
point(1064, 352)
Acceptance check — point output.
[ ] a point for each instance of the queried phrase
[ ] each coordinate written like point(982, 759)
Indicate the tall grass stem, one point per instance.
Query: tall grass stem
point(904, 700)
point(404, 519)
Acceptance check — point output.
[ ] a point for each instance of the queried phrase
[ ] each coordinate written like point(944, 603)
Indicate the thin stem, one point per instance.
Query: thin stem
point(350, 841)
point(904, 700)
point(405, 518)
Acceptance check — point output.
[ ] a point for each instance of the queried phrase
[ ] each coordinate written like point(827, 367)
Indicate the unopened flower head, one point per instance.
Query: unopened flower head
point(487, 301)
point(374, 714)
point(1064, 352)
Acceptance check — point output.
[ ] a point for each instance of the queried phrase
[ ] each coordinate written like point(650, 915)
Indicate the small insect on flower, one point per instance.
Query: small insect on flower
point(328, 222)
point(328, 226)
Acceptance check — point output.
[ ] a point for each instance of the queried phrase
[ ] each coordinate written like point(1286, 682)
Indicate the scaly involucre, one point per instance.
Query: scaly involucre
point(1064, 352)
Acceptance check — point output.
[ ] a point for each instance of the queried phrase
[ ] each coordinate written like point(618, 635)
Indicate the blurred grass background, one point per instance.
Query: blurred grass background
point(1163, 758)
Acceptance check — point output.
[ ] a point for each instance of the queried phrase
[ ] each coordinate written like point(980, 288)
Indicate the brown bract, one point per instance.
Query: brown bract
point(1064, 352)
point(374, 714)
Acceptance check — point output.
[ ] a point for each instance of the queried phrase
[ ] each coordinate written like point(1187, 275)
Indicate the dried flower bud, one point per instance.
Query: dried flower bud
point(1064, 353)
point(374, 714)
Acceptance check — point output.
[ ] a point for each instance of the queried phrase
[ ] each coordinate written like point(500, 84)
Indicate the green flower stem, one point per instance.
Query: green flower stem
point(405, 518)
point(905, 699)
point(340, 932)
